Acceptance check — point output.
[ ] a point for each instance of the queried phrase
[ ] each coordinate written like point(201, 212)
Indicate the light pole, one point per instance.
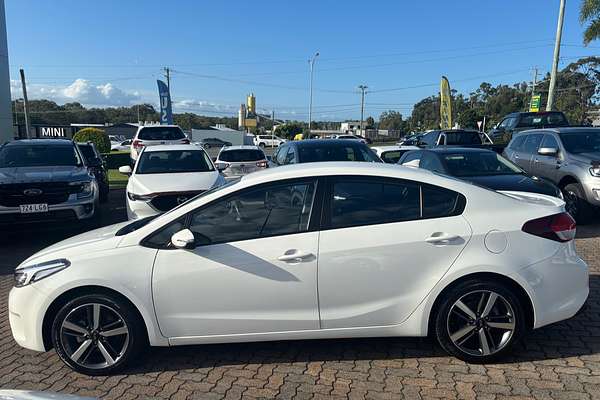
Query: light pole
point(561, 17)
point(362, 107)
point(311, 62)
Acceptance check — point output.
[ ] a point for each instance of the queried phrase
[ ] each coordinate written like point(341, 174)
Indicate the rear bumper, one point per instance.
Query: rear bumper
point(558, 286)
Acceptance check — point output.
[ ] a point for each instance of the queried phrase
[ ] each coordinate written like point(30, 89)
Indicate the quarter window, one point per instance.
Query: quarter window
point(268, 211)
point(439, 202)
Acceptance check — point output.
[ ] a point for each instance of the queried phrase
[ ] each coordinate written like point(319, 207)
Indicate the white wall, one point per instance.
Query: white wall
point(6, 121)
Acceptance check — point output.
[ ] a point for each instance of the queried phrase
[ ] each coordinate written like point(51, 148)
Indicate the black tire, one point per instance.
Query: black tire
point(90, 362)
point(497, 346)
point(576, 203)
point(262, 145)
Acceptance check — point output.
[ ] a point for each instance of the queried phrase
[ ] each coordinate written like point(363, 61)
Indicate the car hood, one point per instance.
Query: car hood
point(96, 240)
point(181, 182)
point(516, 182)
point(586, 158)
point(42, 174)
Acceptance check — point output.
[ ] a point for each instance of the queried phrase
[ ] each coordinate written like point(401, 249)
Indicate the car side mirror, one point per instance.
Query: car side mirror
point(125, 170)
point(221, 166)
point(548, 151)
point(184, 239)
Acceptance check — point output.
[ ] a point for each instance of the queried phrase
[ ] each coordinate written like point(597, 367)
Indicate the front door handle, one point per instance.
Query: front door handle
point(295, 256)
point(441, 238)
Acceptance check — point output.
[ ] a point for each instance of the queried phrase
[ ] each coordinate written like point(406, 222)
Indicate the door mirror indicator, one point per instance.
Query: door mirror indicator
point(548, 151)
point(184, 239)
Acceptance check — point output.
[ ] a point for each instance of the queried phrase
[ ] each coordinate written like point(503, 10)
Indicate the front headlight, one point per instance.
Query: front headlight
point(85, 189)
point(33, 273)
point(595, 170)
point(139, 197)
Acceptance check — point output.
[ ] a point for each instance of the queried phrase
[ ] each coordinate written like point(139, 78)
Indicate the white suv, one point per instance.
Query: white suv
point(154, 135)
point(268, 140)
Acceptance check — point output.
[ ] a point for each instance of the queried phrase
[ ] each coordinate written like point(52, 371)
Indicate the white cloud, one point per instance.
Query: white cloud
point(81, 90)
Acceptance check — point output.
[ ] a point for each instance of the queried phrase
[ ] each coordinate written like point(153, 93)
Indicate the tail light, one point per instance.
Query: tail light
point(262, 164)
point(185, 141)
point(137, 144)
point(559, 227)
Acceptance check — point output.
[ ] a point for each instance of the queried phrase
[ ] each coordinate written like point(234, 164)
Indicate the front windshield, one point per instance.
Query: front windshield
point(38, 155)
point(479, 164)
point(174, 161)
point(581, 142)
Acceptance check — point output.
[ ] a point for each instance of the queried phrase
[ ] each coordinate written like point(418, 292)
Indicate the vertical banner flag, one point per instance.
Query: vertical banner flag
point(166, 113)
point(445, 104)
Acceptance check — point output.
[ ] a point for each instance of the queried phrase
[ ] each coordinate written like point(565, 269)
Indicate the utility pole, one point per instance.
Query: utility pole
point(535, 75)
point(272, 129)
point(25, 102)
point(311, 62)
point(362, 107)
point(561, 17)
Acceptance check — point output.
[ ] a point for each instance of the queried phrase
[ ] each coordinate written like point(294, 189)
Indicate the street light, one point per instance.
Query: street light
point(311, 62)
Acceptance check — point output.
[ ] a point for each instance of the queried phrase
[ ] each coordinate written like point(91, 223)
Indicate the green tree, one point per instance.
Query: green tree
point(94, 135)
point(589, 15)
point(370, 123)
point(391, 120)
point(290, 129)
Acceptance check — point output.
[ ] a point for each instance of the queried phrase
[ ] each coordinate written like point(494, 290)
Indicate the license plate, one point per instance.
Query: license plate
point(33, 208)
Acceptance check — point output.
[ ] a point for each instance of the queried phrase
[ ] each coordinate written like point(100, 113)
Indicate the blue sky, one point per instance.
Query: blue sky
point(110, 52)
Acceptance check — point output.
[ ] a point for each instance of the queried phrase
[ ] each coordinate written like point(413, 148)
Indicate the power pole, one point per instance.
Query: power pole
point(311, 62)
point(561, 17)
point(362, 106)
point(272, 129)
point(25, 102)
point(535, 75)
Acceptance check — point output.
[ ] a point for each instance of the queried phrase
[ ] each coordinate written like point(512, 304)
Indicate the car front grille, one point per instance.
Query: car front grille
point(13, 195)
point(165, 202)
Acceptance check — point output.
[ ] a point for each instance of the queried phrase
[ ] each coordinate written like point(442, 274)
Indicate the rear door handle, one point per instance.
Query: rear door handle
point(441, 238)
point(295, 256)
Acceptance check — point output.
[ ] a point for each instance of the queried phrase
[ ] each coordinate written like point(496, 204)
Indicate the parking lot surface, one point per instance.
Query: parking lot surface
point(561, 361)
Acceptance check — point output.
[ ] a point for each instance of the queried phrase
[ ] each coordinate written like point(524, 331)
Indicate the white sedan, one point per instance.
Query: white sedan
point(391, 154)
point(166, 176)
point(322, 250)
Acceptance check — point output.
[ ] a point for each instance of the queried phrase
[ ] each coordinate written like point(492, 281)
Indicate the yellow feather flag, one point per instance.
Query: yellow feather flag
point(445, 104)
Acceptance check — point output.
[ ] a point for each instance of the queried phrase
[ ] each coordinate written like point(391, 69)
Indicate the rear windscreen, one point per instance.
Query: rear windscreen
point(241, 155)
point(161, 133)
point(545, 119)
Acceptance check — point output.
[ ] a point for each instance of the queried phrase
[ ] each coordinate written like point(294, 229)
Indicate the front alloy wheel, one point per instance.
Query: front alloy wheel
point(479, 321)
point(96, 334)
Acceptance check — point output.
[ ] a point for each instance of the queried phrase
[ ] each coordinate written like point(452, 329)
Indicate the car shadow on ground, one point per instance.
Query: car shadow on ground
point(578, 336)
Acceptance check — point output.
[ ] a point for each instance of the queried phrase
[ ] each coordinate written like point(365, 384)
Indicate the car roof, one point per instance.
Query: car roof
point(325, 142)
point(454, 150)
point(158, 126)
point(34, 142)
point(172, 147)
point(559, 130)
point(241, 147)
point(394, 147)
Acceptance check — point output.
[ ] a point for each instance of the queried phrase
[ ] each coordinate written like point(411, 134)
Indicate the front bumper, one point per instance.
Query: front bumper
point(26, 306)
point(137, 209)
point(591, 186)
point(76, 208)
point(558, 286)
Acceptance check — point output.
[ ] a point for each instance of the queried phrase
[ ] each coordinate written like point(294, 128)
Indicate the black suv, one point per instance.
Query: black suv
point(96, 165)
point(521, 121)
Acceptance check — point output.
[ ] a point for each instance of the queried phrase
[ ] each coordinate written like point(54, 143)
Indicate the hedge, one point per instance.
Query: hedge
point(96, 136)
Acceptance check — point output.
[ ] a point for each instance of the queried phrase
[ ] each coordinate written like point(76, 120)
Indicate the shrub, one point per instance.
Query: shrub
point(96, 136)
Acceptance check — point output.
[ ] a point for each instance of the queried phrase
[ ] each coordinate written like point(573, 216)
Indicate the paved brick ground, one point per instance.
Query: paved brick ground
point(557, 362)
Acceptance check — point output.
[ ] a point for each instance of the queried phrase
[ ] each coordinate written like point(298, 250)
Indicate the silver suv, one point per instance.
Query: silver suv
point(569, 157)
point(45, 179)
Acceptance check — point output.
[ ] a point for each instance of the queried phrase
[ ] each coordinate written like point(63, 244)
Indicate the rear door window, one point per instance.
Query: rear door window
point(532, 143)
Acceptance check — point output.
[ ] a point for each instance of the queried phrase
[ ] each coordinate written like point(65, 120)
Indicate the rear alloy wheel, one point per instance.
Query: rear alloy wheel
point(576, 203)
point(479, 322)
point(96, 334)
